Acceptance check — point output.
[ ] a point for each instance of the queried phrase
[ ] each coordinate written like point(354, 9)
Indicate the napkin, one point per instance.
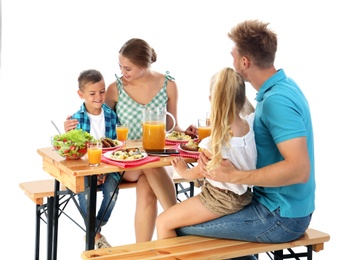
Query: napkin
point(148, 159)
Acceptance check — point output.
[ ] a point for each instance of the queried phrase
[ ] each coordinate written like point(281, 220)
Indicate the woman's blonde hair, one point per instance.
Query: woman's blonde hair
point(227, 97)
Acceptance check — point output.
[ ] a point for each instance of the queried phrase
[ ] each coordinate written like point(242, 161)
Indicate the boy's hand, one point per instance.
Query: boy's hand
point(101, 178)
point(70, 124)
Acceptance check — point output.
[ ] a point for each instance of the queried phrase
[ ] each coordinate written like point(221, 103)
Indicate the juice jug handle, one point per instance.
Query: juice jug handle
point(174, 122)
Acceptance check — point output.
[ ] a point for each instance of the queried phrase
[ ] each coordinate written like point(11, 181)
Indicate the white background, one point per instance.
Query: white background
point(45, 45)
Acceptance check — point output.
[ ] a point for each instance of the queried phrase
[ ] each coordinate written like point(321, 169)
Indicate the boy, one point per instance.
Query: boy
point(99, 120)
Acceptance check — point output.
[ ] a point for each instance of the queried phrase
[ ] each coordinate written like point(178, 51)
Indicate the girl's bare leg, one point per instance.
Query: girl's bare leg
point(146, 210)
point(162, 185)
point(188, 212)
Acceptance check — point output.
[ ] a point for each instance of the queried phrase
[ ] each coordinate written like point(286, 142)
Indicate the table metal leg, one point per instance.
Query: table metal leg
point(55, 219)
point(49, 227)
point(91, 211)
point(37, 232)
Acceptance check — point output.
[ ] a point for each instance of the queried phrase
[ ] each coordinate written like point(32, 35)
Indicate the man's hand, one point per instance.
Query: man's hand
point(192, 131)
point(224, 172)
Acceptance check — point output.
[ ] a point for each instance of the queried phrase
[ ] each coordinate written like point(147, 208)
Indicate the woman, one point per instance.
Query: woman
point(138, 87)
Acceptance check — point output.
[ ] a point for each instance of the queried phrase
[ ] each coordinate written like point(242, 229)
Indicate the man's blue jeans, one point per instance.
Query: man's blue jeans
point(107, 189)
point(254, 223)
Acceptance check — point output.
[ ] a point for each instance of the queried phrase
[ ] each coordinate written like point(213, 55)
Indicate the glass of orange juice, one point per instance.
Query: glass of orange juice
point(94, 153)
point(204, 129)
point(122, 130)
point(153, 136)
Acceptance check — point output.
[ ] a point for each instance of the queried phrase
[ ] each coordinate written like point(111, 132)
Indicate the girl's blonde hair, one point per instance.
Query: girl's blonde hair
point(227, 96)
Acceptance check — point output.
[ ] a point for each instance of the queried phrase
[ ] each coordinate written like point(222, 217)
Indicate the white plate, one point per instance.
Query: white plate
point(109, 156)
point(187, 151)
point(118, 144)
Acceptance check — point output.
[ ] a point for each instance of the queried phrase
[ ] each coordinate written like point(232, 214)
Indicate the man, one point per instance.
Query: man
point(284, 181)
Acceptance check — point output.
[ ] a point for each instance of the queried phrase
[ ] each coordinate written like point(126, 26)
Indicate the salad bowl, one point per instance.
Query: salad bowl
point(71, 145)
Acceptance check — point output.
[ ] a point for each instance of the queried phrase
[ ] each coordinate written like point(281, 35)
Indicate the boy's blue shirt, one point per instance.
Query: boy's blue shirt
point(110, 118)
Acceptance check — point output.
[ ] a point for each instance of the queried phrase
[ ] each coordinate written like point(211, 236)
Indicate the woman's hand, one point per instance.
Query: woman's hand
point(70, 124)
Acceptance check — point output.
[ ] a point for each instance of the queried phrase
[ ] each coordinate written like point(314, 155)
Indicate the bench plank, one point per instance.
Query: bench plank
point(40, 189)
point(196, 247)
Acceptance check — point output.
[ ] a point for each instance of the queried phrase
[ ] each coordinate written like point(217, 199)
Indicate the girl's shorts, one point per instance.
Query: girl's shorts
point(223, 202)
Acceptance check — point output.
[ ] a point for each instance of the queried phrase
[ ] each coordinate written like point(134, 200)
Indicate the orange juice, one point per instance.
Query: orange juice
point(122, 132)
point(94, 156)
point(204, 131)
point(94, 152)
point(153, 135)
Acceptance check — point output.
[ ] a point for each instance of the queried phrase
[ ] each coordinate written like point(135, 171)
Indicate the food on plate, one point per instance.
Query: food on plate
point(73, 144)
point(178, 136)
point(190, 146)
point(127, 154)
point(108, 142)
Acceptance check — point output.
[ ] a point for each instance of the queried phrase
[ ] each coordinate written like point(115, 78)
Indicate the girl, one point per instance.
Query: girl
point(231, 138)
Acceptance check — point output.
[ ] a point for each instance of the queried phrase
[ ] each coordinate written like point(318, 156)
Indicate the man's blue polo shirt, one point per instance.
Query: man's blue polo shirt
point(282, 113)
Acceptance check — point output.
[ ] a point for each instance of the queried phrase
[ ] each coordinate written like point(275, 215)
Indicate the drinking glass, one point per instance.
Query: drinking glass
point(94, 152)
point(122, 130)
point(204, 129)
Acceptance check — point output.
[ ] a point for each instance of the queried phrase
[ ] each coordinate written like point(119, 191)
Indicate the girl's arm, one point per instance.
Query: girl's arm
point(182, 169)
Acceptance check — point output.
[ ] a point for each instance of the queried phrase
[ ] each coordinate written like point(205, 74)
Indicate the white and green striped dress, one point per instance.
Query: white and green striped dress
point(131, 113)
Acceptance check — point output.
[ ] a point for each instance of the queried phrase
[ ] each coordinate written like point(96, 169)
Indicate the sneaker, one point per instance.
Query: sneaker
point(102, 243)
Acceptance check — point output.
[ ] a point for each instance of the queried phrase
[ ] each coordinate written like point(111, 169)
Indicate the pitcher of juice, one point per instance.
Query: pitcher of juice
point(154, 127)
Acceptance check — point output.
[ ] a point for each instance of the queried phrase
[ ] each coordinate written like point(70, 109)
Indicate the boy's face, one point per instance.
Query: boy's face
point(94, 95)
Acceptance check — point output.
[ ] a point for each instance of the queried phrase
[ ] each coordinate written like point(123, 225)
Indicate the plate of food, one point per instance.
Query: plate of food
point(178, 137)
point(189, 147)
point(126, 155)
point(109, 144)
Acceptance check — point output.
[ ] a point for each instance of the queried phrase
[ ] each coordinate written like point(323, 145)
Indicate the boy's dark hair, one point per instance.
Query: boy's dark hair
point(89, 76)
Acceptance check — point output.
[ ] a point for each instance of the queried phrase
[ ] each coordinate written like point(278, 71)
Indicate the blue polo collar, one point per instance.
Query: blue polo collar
point(269, 83)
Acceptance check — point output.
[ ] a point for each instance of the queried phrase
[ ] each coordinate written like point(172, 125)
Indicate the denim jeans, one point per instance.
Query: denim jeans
point(254, 223)
point(107, 189)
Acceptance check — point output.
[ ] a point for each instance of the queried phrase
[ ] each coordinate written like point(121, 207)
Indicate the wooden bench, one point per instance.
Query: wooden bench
point(197, 247)
point(41, 190)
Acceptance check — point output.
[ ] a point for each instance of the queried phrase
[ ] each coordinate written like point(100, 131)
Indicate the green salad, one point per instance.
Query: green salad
point(73, 144)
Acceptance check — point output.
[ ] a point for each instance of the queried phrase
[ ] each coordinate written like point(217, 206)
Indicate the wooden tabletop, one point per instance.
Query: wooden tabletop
point(71, 173)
